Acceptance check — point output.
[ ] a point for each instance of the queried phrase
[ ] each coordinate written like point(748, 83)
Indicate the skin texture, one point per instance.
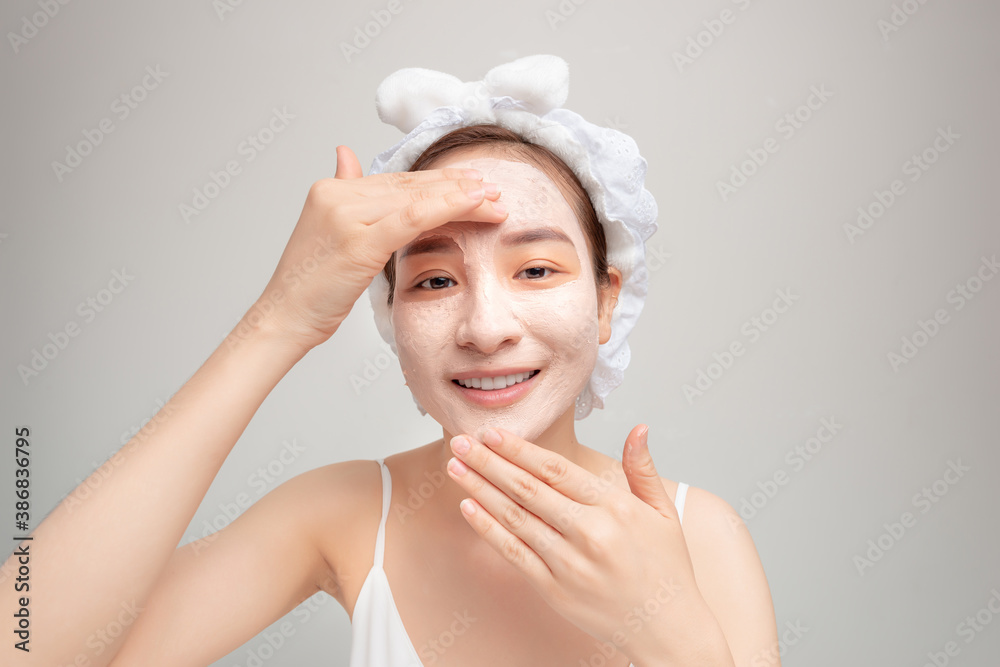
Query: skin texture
point(527, 306)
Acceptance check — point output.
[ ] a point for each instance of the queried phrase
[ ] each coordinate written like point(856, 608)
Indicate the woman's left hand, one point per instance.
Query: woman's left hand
point(613, 563)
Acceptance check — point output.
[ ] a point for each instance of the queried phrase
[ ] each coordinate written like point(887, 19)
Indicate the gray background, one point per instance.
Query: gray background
point(718, 264)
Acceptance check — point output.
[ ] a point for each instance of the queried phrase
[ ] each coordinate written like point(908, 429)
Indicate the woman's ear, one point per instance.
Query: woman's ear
point(607, 301)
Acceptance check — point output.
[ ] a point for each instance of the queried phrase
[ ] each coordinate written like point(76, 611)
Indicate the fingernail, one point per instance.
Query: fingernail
point(475, 194)
point(459, 444)
point(468, 507)
point(498, 207)
point(457, 467)
point(491, 188)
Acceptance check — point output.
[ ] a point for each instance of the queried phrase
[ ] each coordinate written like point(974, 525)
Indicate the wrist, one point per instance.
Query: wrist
point(264, 323)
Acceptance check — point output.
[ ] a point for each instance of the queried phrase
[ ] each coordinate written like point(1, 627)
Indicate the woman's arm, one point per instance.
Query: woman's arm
point(218, 592)
point(731, 579)
point(94, 560)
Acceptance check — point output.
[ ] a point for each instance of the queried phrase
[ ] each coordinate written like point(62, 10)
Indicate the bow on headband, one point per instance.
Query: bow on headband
point(536, 84)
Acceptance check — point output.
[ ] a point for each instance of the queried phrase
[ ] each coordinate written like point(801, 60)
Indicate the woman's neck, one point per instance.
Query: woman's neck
point(560, 438)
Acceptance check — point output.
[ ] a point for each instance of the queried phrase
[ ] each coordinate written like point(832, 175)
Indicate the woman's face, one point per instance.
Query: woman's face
point(497, 324)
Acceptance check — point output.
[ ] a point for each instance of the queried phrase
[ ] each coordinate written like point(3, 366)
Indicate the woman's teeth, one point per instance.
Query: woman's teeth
point(498, 382)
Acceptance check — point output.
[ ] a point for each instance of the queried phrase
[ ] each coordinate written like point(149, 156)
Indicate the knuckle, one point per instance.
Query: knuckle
point(411, 214)
point(548, 539)
point(453, 173)
point(421, 194)
point(619, 506)
point(320, 189)
point(515, 517)
point(600, 537)
point(524, 488)
point(457, 199)
point(477, 483)
point(513, 550)
point(395, 178)
point(554, 471)
point(514, 447)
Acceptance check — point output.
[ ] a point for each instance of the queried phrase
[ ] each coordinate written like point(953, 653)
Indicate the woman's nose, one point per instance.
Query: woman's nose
point(489, 323)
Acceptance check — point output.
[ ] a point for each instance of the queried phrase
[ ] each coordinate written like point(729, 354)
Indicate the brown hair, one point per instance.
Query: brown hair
point(508, 144)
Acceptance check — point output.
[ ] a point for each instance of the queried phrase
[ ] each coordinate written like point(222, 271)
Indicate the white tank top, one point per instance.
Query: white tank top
point(378, 638)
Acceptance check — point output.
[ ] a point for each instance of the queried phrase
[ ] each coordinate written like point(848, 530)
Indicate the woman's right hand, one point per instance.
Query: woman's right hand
point(349, 228)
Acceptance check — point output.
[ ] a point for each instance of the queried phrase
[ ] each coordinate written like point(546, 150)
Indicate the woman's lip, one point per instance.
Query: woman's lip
point(495, 398)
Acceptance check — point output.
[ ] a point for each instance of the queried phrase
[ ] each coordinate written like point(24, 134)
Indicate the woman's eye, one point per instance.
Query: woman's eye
point(436, 283)
point(536, 272)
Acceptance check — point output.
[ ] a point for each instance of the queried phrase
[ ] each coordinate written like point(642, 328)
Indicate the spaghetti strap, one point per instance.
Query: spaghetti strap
point(386, 497)
point(679, 501)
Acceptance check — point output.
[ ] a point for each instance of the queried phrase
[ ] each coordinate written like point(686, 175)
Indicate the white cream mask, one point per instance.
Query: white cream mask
point(472, 302)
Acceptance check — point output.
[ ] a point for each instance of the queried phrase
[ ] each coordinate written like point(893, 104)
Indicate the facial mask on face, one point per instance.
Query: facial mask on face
point(494, 317)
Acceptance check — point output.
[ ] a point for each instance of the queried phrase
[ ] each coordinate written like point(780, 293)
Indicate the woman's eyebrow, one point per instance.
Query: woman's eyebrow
point(430, 244)
point(533, 236)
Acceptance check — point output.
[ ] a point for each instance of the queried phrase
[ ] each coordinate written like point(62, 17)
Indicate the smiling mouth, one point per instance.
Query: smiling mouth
point(497, 382)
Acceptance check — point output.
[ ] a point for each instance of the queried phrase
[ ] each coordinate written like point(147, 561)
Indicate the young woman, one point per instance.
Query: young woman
point(495, 281)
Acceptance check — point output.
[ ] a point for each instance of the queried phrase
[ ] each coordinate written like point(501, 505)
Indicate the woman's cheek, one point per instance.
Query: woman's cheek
point(565, 317)
point(421, 331)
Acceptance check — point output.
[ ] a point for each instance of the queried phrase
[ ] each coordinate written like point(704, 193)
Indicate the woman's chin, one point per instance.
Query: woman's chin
point(525, 426)
point(528, 418)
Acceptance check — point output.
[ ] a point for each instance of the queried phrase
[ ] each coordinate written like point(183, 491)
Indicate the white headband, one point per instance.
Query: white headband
point(525, 97)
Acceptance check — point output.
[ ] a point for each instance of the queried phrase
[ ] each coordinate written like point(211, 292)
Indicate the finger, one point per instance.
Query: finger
point(405, 224)
point(379, 195)
point(347, 164)
point(570, 480)
point(521, 489)
point(397, 182)
point(641, 472)
point(377, 201)
point(522, 538)
point(406, 179)
point(513, 550)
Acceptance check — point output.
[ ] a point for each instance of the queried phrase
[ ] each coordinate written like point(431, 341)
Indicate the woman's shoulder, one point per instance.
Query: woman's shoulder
point(340, 504)
point(726, 564)
point(727, 568)
point(710, 523)
point(343, 480)
point(707, 517)
point(351, 488)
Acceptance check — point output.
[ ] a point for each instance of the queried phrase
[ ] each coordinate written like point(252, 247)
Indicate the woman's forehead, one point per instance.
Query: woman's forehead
point(531, 198)
point(502, 171)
